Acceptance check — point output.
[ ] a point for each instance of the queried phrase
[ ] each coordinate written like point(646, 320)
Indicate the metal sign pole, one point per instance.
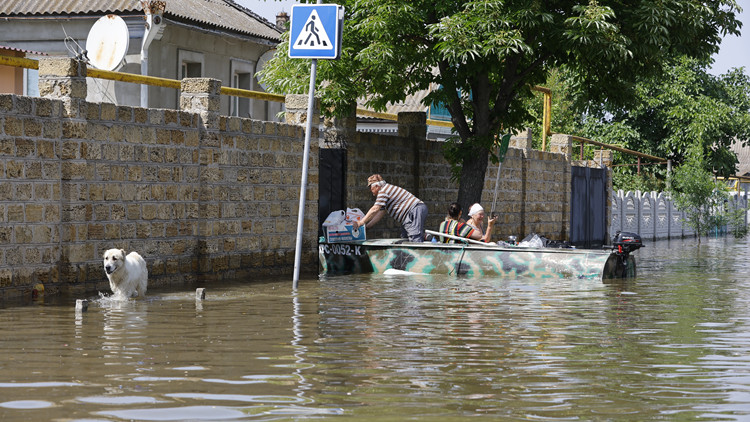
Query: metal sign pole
point(303, 183)
point(310, 40)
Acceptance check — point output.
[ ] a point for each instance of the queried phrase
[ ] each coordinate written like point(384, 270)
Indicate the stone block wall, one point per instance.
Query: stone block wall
point(205, 197)
point(533, 189)
point(202, 197)
point(533, 194)
point(395, 158)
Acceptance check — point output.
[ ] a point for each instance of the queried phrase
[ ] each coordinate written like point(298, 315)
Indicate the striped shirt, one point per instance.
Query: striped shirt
point(396, 201)
point(455, 228)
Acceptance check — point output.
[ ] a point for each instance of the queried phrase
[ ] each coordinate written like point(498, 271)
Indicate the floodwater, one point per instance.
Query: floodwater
point(671, 344)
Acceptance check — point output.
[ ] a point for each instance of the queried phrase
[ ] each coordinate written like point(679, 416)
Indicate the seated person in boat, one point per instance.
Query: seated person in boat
point(455, 227)
point(476, 221)
point(400, 204)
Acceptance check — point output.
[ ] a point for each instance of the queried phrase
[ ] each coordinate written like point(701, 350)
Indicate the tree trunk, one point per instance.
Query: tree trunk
point(473, 170)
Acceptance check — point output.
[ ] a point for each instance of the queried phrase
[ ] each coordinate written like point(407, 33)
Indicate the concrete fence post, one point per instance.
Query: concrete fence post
point(412, 124)
point(202, 96)
point(339, 131)
point(563, 144)
point(296, 111)
point(522, 140)
point(64, 79)
point(603, 158)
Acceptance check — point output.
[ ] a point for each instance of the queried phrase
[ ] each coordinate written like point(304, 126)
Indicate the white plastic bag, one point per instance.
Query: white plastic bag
point(354, 214)
point(335, 218)
point(534, 242)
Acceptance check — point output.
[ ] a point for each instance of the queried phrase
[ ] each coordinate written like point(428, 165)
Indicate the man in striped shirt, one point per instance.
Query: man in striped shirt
point(400, 204)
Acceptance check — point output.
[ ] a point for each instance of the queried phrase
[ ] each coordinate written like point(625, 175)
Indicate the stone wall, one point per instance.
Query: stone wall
point(533, 190)
point(202, 197)
point(205, 197)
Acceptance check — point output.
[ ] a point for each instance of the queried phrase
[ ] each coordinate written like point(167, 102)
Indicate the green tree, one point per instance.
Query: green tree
point(695, 191)
point(485, 54)
point(683, 106)
point(686, 106)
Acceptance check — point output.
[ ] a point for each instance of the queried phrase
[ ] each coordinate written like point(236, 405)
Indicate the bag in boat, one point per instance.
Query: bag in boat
point(536, 241)
point(335, 218)
point(532, 241)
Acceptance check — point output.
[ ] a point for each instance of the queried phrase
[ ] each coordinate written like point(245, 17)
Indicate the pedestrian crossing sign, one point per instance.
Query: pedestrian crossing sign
point(315, 31)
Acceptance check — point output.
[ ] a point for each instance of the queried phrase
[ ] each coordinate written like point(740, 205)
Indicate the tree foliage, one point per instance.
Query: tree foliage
point(681, 107)
point(479, 58)
point(695, 192)
point(687, 107)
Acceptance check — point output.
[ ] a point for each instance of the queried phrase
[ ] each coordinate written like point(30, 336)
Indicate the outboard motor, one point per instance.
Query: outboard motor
point(626, 242)
point(621, 264)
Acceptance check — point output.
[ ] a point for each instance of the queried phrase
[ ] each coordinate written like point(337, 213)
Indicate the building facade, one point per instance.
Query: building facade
point(191, 38)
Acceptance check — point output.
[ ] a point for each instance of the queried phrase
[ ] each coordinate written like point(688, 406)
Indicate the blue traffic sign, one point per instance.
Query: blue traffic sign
point(315, 31)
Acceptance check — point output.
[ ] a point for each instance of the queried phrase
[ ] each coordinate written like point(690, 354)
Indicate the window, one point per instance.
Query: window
point(242, 78)
point(190, 70)
point(31, 82)
point(190, 64)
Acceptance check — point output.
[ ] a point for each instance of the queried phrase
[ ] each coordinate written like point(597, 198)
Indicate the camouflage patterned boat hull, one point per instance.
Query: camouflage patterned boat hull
point(379, 255)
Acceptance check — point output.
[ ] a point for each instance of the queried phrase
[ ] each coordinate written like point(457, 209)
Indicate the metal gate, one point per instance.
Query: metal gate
point(588, 207)
point(331, 184)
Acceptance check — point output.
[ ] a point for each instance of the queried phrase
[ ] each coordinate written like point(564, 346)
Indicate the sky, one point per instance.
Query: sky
point(734, 51)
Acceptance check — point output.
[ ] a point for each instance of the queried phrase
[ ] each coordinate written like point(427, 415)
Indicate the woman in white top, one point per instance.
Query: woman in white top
point(476, 219)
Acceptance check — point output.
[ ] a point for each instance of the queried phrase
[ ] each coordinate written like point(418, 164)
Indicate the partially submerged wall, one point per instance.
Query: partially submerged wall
point(207, 197)
point(653, 215)
point(202, 197)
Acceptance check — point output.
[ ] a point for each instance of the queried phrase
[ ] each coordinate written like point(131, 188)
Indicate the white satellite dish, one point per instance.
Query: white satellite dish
point(107, 42)
point(268, 55)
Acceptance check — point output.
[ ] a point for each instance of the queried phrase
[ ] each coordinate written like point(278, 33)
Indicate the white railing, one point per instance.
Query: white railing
point(653, 215)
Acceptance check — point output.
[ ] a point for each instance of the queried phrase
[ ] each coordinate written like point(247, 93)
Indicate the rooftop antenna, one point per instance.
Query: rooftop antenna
point(107, 43)
point(154, 10)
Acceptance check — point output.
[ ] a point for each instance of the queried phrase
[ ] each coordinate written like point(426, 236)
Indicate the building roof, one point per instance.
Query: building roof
point(21, 50)
point(221, 14)
point(412, 102)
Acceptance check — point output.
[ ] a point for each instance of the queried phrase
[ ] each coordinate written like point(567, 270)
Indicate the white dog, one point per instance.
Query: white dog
point(128, 275)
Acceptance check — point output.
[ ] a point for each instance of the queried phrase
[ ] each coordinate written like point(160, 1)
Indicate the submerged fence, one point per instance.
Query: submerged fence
point(654, 216)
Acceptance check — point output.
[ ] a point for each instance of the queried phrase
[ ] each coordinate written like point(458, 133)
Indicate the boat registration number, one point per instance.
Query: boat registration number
point(341, 249)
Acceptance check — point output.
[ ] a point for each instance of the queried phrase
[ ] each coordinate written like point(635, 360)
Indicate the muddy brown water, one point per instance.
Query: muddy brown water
point(671, 344)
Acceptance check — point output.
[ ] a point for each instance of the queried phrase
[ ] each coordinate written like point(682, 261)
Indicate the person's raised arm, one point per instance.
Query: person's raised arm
point(373, 216)
point(488, 233)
